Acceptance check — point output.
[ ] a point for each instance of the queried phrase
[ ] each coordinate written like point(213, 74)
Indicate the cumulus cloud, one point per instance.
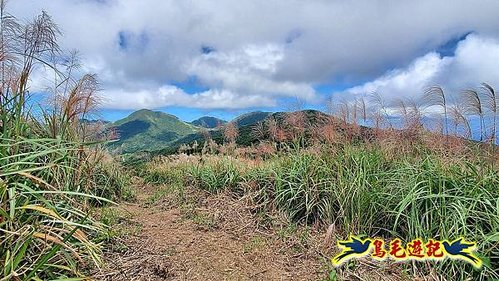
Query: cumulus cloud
point(174, 96)
point(400, 83)
point(472, 64)
point(475, 61)
point(253, 52)
point(249, 70)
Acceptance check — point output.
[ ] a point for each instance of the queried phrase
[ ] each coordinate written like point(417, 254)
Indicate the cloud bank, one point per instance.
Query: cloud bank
point(253, 53)
point(473, 63)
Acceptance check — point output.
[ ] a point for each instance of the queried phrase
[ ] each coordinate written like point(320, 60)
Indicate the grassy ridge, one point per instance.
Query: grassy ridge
point(208, 122)
point(367, 190)
point(247, 133)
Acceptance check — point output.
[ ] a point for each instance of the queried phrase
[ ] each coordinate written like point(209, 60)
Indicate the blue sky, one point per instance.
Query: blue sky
point(199, 57)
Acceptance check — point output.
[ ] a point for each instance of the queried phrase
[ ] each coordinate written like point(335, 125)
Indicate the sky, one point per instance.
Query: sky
point(222, 58)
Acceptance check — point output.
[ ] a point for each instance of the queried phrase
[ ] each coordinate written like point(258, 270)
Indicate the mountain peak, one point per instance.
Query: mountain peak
point(148, 130)
point(208, 122)
point(150, 113)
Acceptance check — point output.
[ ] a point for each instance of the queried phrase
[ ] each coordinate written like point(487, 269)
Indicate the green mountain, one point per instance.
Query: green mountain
point(246, 136)
point(208, 122)
point(148, 130)
point(251, 118)
point(162, 133)
point(244, 123)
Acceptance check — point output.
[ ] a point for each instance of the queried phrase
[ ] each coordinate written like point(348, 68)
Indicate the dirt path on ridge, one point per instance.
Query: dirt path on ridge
point(211, 237)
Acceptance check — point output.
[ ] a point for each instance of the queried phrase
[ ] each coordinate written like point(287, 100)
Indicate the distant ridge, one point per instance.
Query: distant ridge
point(208, 122)
point(246, 124)
point(162, 133)
point(94, 121)
point(251, 118)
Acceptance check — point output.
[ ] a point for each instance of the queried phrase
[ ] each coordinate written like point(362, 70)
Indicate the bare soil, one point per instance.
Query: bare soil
point(207, 237)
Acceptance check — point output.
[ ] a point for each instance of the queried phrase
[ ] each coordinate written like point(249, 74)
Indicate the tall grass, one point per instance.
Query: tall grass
point(391, 181)
point(402, 183)
point(367, 189)
point(219, 175)
point(41, 210)
point(436, 199)
point(51, 170)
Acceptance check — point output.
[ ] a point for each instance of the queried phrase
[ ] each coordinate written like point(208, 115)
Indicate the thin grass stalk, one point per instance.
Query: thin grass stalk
point(474, 106)
point(490, 103)
point(435, 95)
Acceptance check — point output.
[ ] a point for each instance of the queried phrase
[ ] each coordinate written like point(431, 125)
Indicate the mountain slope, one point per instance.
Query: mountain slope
point(208, 122)
point(247, 135)
point(148, 130)
point(251, 118)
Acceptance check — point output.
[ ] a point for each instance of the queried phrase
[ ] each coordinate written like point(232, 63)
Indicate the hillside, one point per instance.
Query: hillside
point(148, 130)
point(247, 134)
point(245, 124)
point(163, 133)
point(251, 118)
point(208, 122)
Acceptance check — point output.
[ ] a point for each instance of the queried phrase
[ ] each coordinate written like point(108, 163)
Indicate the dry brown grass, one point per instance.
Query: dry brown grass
point(231, 132)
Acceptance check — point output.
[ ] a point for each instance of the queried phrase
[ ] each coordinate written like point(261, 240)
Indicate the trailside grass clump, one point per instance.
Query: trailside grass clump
point(447, 201)
point(335, 188)
point(45, 230)
point(364, 192)
point(51, 164)
point(369, 190)
point(216, 175)
point(162, 170)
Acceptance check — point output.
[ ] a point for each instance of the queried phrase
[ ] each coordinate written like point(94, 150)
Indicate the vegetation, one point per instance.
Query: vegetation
point(254, 131)
point(368, 190)
point(148, 130)
point(355, 170)
point(208, 122)
point(251, 118)
point(379, 181)
point(52, 166)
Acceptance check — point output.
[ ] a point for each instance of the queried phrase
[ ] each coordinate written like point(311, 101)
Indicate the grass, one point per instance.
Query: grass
point(53, 170)
point(255, 243)
point(220, 174)
point(158, 195)
point(406, 184)
point(394, 183)
point(204, 221)
point(368, 190)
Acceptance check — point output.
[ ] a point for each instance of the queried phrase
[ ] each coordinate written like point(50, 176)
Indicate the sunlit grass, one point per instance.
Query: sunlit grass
point(52, 167)
point(368, 190)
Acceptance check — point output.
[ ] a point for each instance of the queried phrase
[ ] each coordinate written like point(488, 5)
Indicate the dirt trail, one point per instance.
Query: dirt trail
point(212, 237)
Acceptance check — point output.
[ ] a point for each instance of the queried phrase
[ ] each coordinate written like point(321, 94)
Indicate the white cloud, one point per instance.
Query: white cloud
point(249, 70)
point(174, 96)
point(267, 49)
point(474, 62)
point(405, 82)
